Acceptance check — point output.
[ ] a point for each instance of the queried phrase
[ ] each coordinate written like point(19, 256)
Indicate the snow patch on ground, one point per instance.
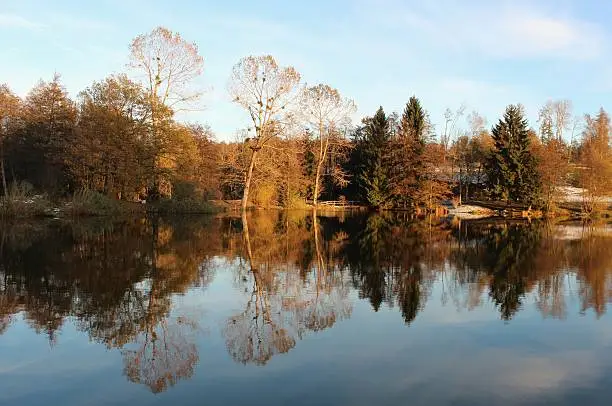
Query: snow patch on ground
point(576, 194)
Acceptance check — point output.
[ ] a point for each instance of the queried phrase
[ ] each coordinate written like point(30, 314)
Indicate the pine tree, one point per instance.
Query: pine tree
point(408, 170)
point(512, 169)
point(373, 175)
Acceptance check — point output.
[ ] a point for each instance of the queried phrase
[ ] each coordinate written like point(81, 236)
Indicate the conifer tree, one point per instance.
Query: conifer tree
point(408, 169)
point(373, 175)
point(512, 169)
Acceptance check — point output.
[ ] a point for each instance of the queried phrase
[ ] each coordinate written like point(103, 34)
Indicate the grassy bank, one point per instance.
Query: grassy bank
point(183, 206)
point(23, 203)
point(90, 203)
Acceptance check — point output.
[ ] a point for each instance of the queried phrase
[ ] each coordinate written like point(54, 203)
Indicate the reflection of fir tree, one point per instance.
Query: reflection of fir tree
point(514, 248)
point(506, 254)
point(371, 265)
point(386, 260)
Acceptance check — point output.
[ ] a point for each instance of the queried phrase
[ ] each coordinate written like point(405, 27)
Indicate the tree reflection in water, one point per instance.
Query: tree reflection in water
point(118, 282)
point(284, 301)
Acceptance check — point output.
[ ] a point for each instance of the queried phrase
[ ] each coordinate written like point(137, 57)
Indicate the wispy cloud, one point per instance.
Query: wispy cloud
point(16, 21)
point(496, 29)
point(530, 34)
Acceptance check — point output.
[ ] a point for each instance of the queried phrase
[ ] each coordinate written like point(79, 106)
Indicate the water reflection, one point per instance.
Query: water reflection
point(297, 274)
point(116, 281)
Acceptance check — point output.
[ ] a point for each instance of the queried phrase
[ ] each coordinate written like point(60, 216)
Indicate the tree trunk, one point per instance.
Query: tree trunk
point(4, 187)
point(322, 155)
point(2, 169)
point(247, 180)
point(460, 186)
point(247, 239)
point(320, 262)
point(316, 185)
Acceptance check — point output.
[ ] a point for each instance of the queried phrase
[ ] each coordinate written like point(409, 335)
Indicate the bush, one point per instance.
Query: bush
point(21, 201)
point(182, 190)
point(264, 195)
point(295, 201)
point(177, 206)
point(91, 203)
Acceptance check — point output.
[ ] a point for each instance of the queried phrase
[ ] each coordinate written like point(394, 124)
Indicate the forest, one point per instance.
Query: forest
point(120, 144)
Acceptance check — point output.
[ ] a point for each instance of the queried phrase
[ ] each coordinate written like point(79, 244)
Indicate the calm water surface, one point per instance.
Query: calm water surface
point(296, 310)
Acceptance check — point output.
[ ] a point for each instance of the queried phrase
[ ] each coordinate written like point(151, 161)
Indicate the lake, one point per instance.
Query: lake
point(287, 309)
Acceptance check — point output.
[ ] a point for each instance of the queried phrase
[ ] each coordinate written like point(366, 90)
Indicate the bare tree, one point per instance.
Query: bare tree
point(563, 116)
point(555, 117)
point(169, 64)
point(450, 125)
point(576, 125)
point(477, 123)
point(545, 119)
point(326, 111)
point(265, 90)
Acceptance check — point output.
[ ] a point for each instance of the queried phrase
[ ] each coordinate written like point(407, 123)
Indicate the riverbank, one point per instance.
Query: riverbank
point(93, 204)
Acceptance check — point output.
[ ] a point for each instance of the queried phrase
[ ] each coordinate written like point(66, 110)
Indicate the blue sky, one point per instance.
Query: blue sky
point(485, 54)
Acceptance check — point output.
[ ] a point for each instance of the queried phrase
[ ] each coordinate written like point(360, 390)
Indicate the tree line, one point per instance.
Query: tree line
point(121, 138)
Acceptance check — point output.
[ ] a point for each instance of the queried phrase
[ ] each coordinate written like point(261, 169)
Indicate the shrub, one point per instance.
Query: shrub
point(183, 190)
point(21, 201)
point(177, 206)
point(265, 195)
point(91, 203)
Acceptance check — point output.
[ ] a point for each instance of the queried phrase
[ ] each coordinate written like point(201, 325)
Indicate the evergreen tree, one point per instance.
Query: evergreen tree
point(512, 169)
point(408, 170)
point(373, 172)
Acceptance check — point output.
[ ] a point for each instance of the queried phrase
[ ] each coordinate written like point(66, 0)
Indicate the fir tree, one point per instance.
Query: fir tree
point(373, 175)
point(512, 169)
point(408, 162)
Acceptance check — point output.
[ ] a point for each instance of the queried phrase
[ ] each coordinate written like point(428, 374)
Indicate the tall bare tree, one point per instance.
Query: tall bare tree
point(169, 64)
point(555, 117)
point(563, 117)
point(477, 123)
point(325, 111)
point(450, 125)
point(265, 90)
